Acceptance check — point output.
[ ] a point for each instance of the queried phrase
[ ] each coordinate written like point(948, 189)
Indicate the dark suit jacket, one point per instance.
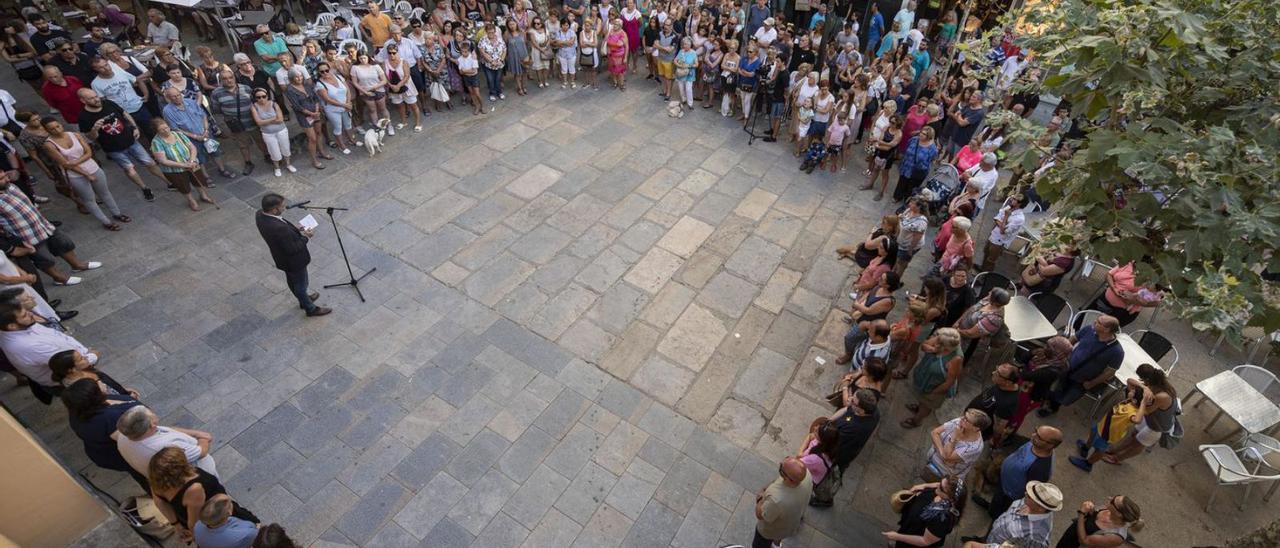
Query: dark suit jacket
point(287, 244)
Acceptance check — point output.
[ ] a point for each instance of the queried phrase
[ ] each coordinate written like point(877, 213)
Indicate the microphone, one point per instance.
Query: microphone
point(299, 204)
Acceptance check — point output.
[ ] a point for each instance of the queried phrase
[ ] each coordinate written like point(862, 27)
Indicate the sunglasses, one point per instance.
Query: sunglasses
point(326, 71)
point(259, 96)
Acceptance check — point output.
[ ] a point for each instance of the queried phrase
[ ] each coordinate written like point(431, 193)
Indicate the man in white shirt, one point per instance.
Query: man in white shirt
point(767, 34)
point(159, 31)
point(906, 19)
point(342, 30)
point(141, 437)
point(1009, 221)
point(915, 35)
point(29, 345)
point(407, 49)
point(985, 175)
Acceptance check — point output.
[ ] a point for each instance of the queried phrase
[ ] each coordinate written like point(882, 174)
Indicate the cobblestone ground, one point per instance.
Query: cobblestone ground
point(591, 325)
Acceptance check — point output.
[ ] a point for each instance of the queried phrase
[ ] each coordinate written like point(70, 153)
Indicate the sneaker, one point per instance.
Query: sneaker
point(91, 265)
point(1081, 464)
point(147, 195)
point(502, 96)
point(291, 168)
point(319, 311)
point(492, 98)
point(417, 129)
point(574, 85)
point(74, 280)
point(278, 173)
point(40, 199)
point(346, 151)
point(391, 130)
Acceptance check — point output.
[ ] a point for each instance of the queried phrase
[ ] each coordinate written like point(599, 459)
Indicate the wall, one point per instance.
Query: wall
point(42, 504)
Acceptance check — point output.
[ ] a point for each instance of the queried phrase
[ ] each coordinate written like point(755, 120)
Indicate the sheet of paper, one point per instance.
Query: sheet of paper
point(309, 222)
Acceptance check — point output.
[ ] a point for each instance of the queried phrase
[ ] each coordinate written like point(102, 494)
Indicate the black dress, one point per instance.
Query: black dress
point(1071, 540)
point(211, 487)
point(917, 518)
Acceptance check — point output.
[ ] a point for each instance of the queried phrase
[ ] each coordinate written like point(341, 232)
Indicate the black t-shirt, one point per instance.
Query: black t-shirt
point(780, 82)
point(913, 521)
point(80, 68)
point(43, 43)
point(854, 431)
point(800, 56)
point(958, 299)
point(651, 35)
point(997, 404)
point(259, 80)
point(116, 133)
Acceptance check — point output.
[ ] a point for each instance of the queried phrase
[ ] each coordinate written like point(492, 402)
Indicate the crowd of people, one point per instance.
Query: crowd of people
point(895, 95)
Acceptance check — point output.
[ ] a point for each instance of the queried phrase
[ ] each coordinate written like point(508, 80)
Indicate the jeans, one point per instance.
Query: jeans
point(297, 280)
point(493, 77)
point(90, 191)
point(1066, 392)
point(853, 338)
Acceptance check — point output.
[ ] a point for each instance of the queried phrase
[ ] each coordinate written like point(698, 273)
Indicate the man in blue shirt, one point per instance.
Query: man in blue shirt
point(218, 529)
point(1033, 461)
point(756, 14)
point(1093, 363)
point(186, 117)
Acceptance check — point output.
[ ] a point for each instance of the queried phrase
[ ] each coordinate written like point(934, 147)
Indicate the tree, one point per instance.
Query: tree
point(1178, 167)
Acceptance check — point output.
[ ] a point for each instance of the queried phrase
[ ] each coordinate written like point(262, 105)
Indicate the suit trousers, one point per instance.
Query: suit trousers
point(297, 280)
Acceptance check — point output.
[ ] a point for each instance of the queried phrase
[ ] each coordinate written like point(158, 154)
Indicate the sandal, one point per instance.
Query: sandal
point(327, 156)
point(318, 165)
point(1110, 459)
point(112, 227)
point(82, 209)
point(908, 424)
point(122, 218)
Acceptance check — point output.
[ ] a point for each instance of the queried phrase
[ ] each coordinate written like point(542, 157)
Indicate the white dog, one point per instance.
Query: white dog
point(373, 136)
point(674, 110)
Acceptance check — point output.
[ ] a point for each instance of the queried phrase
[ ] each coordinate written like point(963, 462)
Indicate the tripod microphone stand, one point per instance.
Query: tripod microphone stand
point(352, 280)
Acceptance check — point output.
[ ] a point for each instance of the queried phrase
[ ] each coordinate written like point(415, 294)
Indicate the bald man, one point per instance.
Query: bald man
point(1033, 461)
point(999, 401)
point(117, 133)
point(1093, 362)
point(780, 506)
point(62, 93)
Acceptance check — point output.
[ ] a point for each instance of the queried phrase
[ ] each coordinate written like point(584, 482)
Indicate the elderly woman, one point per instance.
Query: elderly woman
point(686, 71)
point(180, 163)
point(180, 491)
point(400, 87)
point(435, 63)
point(493, 59)
point(955, 445)
point(934, 378)
point(956, 246)
point(982, 320)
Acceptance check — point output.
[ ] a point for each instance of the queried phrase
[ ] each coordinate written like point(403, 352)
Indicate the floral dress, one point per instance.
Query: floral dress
point(434, 58)
point(617, 54)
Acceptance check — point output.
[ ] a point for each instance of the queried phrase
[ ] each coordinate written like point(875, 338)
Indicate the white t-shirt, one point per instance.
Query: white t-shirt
point(914, 36)
point(468, 63)
point(986, 180)
point(7, 111)
point(765, 36)
point(138, 453)
point(119, 89)
point(820, 104)
point(1005, 237)
point(344, 33)
point(282, 75)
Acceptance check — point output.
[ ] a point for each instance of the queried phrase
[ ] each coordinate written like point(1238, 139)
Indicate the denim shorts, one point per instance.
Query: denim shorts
point(126, 157)
point(339, 120)
point(779, 109)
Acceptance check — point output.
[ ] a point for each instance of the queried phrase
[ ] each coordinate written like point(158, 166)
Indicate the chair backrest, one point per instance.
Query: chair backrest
point(1261, 444)
point(325, 19)
point(1260, 379)
point(360, 45)
point(1156, 345)
point(418, 13)
point(1050, 305)
point(404, 8)
point(984, 282)
point(1082, 318)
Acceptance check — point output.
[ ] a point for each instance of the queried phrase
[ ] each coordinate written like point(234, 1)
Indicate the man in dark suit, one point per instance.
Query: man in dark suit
point(288, 245)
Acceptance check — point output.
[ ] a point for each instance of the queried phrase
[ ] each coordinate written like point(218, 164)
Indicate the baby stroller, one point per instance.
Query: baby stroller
point(813, 156)
point(938, 190)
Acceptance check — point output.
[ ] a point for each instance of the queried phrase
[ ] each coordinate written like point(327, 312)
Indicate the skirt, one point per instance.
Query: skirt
point(538, 60)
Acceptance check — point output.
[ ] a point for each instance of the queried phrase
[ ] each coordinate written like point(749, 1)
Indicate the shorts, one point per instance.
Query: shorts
point(931, 400)
point(409, 97)
point(471, 82)
point(778, 110)
point(56, 245)
point(376, 96)
point(126, 157)
point(1144, 434)
point(666, 69)
point(905, 255)
point(339, 120)
point(817, 129)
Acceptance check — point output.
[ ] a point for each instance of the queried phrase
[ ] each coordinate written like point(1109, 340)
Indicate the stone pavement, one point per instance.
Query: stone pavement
point(591, 325)
point(580, 331)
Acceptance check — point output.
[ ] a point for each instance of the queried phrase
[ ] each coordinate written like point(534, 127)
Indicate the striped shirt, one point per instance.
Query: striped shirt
point(1030, 530)
point(21, 219)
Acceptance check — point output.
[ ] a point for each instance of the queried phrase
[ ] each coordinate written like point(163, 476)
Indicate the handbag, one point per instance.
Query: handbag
point(235, 124)
point(438, 93)
point(824, 492)
point(682, 72)
point(899, 499)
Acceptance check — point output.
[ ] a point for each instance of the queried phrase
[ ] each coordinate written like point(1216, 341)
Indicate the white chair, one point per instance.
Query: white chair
point(404, 8)
point(418, 13)
point(1260, 379)
point(325, 19)
point(1229, 468)
point(360, 45)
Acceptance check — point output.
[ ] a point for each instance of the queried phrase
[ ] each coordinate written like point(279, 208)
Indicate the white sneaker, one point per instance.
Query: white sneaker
point(278, 174)
point(399, 126)
point(359, 143)
point(346, 151)
point(502, 96)
point(74, 280)
point(291, 168)
point(391, 130)
point(91, 265)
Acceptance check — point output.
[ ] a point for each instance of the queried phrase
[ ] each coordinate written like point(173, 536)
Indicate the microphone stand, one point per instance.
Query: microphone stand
point(352, 280)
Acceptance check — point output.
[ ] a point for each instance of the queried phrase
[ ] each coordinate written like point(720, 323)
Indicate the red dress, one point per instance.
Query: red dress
point(915, 121)
point(632, 28)
point(617, 53)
